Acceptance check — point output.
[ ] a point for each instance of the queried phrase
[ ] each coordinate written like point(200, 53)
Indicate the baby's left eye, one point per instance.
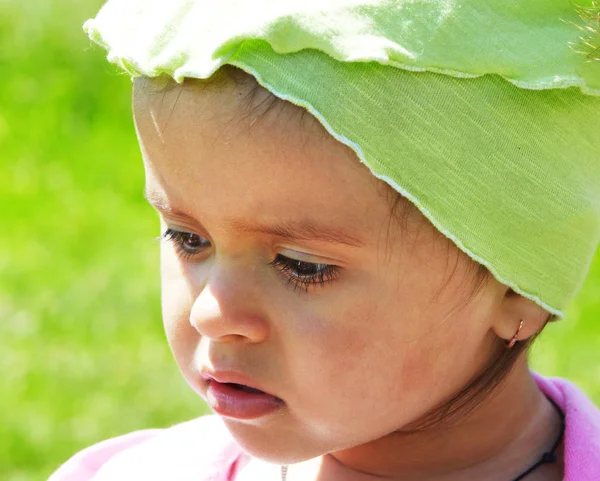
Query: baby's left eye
point(302, 274)
point(186, 244)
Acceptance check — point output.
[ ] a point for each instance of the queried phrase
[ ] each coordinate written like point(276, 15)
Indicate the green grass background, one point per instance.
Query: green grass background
point(82, 353)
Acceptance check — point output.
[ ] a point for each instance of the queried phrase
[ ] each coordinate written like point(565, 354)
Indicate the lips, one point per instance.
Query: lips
point(235, 379)
point(243, 387)
point(231, 395)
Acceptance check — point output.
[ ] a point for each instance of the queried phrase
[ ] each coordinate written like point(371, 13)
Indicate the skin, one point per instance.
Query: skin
point(357, 360)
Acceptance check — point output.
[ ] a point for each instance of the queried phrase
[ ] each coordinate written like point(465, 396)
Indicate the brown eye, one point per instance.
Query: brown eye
point(192, 242)
point(306, 269)
point(303, 275)
point(187, 244)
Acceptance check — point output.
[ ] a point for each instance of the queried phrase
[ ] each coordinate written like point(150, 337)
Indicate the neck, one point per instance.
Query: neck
point(499, 439)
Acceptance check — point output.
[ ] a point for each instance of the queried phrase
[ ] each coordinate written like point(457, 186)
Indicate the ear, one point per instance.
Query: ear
point(513, 309)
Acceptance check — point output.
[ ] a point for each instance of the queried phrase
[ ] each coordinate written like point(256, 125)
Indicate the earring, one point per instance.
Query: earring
point(512, 342)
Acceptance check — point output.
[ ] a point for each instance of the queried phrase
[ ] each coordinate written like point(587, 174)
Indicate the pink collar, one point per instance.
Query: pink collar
point(582, 428)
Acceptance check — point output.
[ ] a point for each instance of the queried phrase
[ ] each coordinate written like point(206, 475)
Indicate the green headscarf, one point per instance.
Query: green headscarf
point(484, 114)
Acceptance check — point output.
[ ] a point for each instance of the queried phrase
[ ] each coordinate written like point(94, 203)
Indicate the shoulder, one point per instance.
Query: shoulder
point(201, 449)
point(582, 428)
point(86, 463)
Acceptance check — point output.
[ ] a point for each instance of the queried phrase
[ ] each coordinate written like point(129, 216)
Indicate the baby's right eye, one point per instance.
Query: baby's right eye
point(187, 244)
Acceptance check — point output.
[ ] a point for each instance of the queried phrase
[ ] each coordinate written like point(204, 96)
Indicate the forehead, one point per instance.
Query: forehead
point(215, 147)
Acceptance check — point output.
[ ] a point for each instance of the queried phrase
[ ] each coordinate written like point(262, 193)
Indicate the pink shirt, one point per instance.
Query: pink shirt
point(203, 449)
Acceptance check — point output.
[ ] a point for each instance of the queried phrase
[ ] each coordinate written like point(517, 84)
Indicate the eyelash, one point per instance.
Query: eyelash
point(288, 267)
point(325, 272)
point(178, 239)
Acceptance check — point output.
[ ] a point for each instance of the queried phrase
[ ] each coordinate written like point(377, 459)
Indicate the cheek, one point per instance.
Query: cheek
point(382, 356)
point(338, 349)
point(440, 363)
point(177, 302)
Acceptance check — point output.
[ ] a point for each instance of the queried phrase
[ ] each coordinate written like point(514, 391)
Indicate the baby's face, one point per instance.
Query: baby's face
point(359, 322)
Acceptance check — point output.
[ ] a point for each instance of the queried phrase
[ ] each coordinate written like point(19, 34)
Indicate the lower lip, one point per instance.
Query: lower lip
point(228, 401)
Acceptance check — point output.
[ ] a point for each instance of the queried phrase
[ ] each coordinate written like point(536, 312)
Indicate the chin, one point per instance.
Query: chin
point(274, 444)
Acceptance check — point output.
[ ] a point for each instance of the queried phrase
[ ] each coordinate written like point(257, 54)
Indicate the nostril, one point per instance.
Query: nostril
point(230, 328)
point(233, 338)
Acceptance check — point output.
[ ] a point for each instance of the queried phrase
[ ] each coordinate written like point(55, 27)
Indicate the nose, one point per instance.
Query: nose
point(225, 310)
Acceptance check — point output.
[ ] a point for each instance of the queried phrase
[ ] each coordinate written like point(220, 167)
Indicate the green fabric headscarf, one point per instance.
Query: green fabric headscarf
point(484, 114)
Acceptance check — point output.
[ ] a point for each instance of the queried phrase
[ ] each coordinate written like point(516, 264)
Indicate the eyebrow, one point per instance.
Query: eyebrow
point(301, 230)
point(305, 230)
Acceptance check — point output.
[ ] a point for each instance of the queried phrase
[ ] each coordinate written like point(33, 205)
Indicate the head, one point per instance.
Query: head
point(289, 262)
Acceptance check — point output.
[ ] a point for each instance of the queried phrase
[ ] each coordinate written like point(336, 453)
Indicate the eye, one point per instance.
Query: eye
point(302, 274)
point(187, 244)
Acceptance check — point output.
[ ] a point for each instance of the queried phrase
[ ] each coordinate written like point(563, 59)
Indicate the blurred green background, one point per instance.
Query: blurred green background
point(82, 353)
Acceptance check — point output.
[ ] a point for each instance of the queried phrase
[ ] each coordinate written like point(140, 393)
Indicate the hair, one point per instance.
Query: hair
point(257, 104)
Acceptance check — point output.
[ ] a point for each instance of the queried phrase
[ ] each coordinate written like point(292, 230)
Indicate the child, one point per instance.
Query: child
point(353, 292)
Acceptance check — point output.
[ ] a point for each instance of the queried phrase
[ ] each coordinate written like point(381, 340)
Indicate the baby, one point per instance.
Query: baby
point(362, 235)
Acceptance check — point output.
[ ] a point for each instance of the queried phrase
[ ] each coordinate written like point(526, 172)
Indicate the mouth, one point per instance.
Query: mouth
point(234, 380)
point(238, 400)
point(244, 388)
